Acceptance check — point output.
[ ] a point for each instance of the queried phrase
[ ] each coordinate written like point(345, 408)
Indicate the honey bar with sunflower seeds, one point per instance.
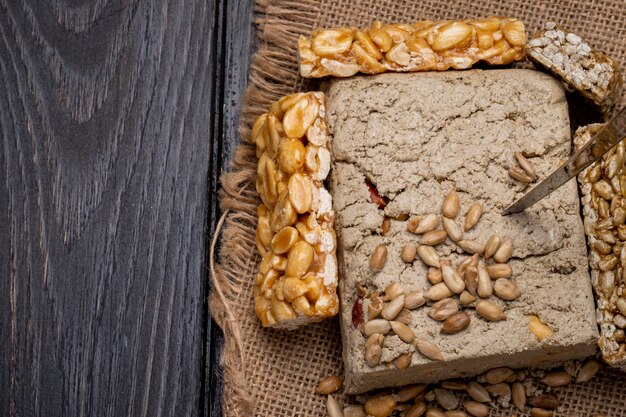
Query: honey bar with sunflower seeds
point(421, 46)
point(603, 190)
point(297, 277)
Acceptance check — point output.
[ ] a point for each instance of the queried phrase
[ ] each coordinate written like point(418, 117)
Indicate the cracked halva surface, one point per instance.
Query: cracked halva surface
point(415, 136)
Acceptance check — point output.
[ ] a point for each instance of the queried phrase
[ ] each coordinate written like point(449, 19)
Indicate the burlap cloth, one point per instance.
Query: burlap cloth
point(273, 373)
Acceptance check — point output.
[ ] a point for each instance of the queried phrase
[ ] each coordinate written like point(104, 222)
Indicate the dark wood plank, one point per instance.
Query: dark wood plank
point(234, 43)
point(105, 111)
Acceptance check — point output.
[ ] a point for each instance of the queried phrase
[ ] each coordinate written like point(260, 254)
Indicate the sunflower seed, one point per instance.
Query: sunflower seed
point(409, 252)
point(607, 236)
point(491, 247)
point(438, 292)
point(451, 228)
point(375, 306)
point(616, 186)
point(557, 379)
point(401, 217)
point(451, 205)
point(443, 309)
point(520, 175)
point(476, 409)
point(497, 375)
point(413, 224)
point(391, 309)
point(428, 255)
point(471, 246)
point(478, 392)
point(446, 398)
point(376, 326)
point(417, 410)
point(409, 392)
point(594, 174)
point(504, 252)
point(452, 279)
point(414, 300)
point(404, 316)
point(456, 323)
point(525, 164)
point(384, 228)
point(455, 385)
point(499, 271)
point(434, 237)
point(393, 291)
point(434, 275)
point(434, 412)
point(469, 261)
point(604, 189)
point(619, 216)
point(355, 410)
point(608, 263)
point(466, 298)
point(518, 395)
point(455, 413)
point(547, 400)
point(373, 353)
point(333, 407)
point(473, 215)
point(602, 247)
point(471, 279)
point(375, 339)
point(501, 389)
point(506, 289)
point(426, 224)
point(403, 361)
point(378, 258)
point(328, 385)
point(403, 331)
point(512, 378)
point(540, 412)
point(614, 164)
point(490, 311)
point(485, 288)
point(380, 406)
point(603, 208)
point(605, 225)
point(588, 371)
point(429, 349)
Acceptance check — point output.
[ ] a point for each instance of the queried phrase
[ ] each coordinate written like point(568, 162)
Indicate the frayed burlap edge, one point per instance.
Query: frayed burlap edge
point(238, 198)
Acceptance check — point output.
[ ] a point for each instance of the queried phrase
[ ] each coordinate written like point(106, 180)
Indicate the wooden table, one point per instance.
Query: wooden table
point(116, 118)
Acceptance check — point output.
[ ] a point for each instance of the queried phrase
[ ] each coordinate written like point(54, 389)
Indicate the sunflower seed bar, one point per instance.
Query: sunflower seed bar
point(297, 279)
point(592, 73)
point(421, 46)
point(603, 187)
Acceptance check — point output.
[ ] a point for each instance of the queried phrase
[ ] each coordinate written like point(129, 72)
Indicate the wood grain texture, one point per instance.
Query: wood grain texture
point(234, 44)
point(105, 113)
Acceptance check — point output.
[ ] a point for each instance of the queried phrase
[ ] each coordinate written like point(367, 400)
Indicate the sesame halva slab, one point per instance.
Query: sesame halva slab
point(401, 143)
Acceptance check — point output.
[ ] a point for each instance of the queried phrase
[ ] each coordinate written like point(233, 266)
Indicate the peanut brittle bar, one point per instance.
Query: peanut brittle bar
point(421, 46)
point(297, 279)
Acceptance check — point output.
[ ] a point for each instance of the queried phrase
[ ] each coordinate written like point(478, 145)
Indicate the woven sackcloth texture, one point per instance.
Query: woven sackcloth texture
point(273, 373)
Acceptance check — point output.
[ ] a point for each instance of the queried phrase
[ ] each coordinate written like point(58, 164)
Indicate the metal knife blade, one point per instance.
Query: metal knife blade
point(613, 132)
